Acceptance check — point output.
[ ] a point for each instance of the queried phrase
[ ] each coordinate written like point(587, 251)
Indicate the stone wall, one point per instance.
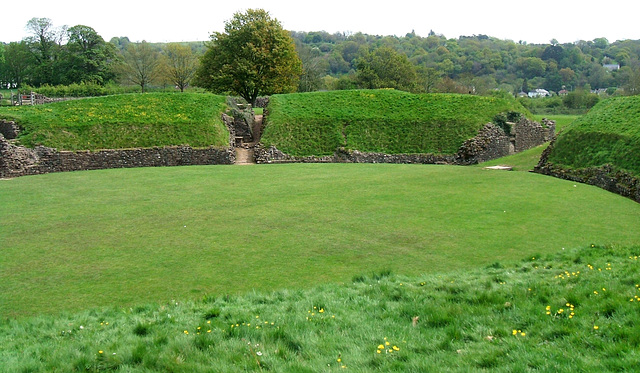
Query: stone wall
point(20, 161)
point(9, 129)
point(529, 134)
point(273, 155)
point(605, 177)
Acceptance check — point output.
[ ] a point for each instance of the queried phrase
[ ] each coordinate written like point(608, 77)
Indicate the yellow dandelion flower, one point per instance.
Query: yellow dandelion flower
point(514, 332)
point(186, 332)
point(380, 347)
point(378, 351)
point(568, 304)
point(548, 308)
point(208, 321)
point(523, 334)
point(100, 351)
point(396, 348)
point(321, 310)
point(209, 331)
point(387, 343)
point(339, 360)
point(596, 327)
point(595, 292)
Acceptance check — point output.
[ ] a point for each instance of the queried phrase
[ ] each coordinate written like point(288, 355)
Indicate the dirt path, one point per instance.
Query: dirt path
point(244, 156)
point(245, 153)
point(256, 130)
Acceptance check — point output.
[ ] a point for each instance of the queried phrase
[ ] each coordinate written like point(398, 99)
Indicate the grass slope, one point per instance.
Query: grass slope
point(123, 121)
point(609, 133)
point(129, 236)
point(386, 121)
point(572, 310)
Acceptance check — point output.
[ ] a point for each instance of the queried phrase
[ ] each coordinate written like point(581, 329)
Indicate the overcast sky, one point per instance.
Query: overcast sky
point(536, 21)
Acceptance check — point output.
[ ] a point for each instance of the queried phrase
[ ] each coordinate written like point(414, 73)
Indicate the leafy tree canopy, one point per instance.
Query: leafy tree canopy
point(386, 68)
point(254, 56)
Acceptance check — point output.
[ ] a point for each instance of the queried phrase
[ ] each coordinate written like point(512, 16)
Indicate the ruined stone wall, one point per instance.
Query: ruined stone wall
point(273, 155)
point(8, 129)
point(529, 134)
point(20, 161)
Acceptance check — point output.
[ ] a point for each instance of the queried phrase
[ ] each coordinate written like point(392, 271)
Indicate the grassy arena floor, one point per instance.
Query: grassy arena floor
point(73, 241)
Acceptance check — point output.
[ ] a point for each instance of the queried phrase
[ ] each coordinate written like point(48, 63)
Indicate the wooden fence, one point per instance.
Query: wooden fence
point(33, 98)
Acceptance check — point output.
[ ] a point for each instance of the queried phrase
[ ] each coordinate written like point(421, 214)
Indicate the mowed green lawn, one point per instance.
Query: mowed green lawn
point(72, 241)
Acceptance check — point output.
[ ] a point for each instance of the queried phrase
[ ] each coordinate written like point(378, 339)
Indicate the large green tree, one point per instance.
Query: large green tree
point(87, 57)
point(16, 64)
point(44, 43)
point(254, 56)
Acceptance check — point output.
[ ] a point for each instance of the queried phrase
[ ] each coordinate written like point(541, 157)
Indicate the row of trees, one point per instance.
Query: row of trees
point(67, 55)
point(255, 56)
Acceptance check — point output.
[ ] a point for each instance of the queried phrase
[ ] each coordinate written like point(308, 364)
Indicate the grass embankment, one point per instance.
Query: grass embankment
point(123, 121)
point(386, 121)
point(572, 310)
point(608, 133)
point(129, 236)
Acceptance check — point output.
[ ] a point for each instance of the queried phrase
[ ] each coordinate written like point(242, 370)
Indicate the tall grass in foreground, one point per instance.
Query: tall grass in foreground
point(571, 310)
point(122, 237)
